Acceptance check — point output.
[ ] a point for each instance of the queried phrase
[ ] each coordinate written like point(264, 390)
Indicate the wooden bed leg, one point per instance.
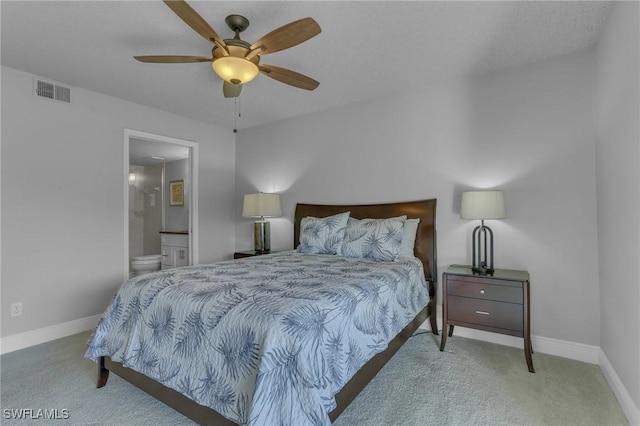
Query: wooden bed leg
point(103, 373)
point(434, 322)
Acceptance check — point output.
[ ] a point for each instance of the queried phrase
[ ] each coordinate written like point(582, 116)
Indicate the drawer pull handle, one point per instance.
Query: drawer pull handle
point(482, 313)
point(482, 291)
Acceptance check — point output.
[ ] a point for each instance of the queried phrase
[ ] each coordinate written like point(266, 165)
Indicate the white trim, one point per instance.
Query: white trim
point(629, 408)
point(46, 334)
point(545, 345)
point(192, 187)
point(193, 199)
point(125, 224)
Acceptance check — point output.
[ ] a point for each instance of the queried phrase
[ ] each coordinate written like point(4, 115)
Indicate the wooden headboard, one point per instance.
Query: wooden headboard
point(425, 210)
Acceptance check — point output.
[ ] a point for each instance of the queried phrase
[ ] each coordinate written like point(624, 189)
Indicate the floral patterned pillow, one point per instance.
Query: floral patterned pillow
point(374, 238)
point(322, 235)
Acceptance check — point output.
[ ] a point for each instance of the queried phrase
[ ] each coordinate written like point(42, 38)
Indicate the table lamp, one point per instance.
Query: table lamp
point(482, 205)
point(261, 205)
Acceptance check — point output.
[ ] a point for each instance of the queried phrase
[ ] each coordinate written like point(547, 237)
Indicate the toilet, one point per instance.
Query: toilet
point(144, 264)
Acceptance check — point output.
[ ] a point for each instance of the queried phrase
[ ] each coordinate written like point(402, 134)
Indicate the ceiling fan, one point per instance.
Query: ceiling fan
point(236, 61)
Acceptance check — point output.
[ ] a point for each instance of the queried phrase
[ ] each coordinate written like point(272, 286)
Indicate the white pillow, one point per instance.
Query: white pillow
point(408, 238)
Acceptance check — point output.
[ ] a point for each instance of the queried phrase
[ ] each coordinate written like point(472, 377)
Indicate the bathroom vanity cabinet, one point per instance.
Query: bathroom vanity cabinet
point(175, 249)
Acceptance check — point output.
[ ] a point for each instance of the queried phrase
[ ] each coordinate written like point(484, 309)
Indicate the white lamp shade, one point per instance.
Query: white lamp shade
point(259, 205)
point(482, 205)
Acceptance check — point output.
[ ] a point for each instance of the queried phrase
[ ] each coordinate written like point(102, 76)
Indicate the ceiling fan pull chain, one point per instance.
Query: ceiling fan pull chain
point(236, 108)
point(235, 122)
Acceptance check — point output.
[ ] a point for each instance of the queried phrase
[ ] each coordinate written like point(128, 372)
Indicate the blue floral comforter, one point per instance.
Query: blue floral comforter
point(266, 340)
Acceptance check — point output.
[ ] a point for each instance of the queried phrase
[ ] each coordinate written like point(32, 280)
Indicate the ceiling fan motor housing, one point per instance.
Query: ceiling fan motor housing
point(237, 23)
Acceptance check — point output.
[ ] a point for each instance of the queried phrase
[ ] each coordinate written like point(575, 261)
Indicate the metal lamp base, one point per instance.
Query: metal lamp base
point(482, 271)
point(482, 250)
point(262, 236)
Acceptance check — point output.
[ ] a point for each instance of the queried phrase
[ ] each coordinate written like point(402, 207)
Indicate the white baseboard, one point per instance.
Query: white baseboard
point(545, 345)
point(46, 334)
point(629, 408)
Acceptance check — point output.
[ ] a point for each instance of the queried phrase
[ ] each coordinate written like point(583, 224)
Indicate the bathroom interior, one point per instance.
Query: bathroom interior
point(158, 206)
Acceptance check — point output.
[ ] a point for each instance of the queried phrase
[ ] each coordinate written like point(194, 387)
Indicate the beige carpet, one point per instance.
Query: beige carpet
point(479, 383)
point(471, 383)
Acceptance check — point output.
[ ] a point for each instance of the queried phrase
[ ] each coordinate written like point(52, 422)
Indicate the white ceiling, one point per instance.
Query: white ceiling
point(366, 49)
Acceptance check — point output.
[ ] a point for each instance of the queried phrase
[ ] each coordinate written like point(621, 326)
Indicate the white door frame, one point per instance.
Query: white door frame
point(192, 190)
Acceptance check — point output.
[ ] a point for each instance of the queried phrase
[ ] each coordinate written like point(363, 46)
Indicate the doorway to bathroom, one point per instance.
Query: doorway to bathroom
point(160, 202)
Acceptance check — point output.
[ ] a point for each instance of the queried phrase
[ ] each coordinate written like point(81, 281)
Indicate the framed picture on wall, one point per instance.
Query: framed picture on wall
point(176, 192)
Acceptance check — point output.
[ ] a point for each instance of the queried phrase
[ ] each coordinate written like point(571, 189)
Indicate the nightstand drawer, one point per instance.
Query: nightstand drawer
point(484, 290)
point(488, 313)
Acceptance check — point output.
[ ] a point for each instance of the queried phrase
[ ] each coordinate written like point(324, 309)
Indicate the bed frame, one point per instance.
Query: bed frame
point(425, 250)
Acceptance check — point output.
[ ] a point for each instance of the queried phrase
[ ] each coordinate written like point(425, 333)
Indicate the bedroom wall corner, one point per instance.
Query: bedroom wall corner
point(617, 118)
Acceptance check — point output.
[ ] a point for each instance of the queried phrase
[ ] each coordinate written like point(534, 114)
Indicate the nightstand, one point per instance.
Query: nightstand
point(498, 303)
point(249, 253)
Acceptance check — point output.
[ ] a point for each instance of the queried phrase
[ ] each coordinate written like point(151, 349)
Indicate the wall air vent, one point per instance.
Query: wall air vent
point(50, 90)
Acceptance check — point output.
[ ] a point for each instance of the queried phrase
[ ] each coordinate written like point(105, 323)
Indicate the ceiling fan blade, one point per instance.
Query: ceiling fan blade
point(231, 90)
point(168, 59)
point(195, 21)
point(289, 77)
point(287, 36)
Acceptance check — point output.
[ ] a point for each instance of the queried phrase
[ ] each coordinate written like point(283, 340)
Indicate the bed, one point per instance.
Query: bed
point(329, 373)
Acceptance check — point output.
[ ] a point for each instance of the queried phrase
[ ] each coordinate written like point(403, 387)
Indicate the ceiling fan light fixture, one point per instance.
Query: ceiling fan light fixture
point(235, 70)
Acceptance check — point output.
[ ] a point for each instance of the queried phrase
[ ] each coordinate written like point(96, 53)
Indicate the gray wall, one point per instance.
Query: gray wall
point(618, 178)
point(63, 198)
point(527, 131)
point(176, 218)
